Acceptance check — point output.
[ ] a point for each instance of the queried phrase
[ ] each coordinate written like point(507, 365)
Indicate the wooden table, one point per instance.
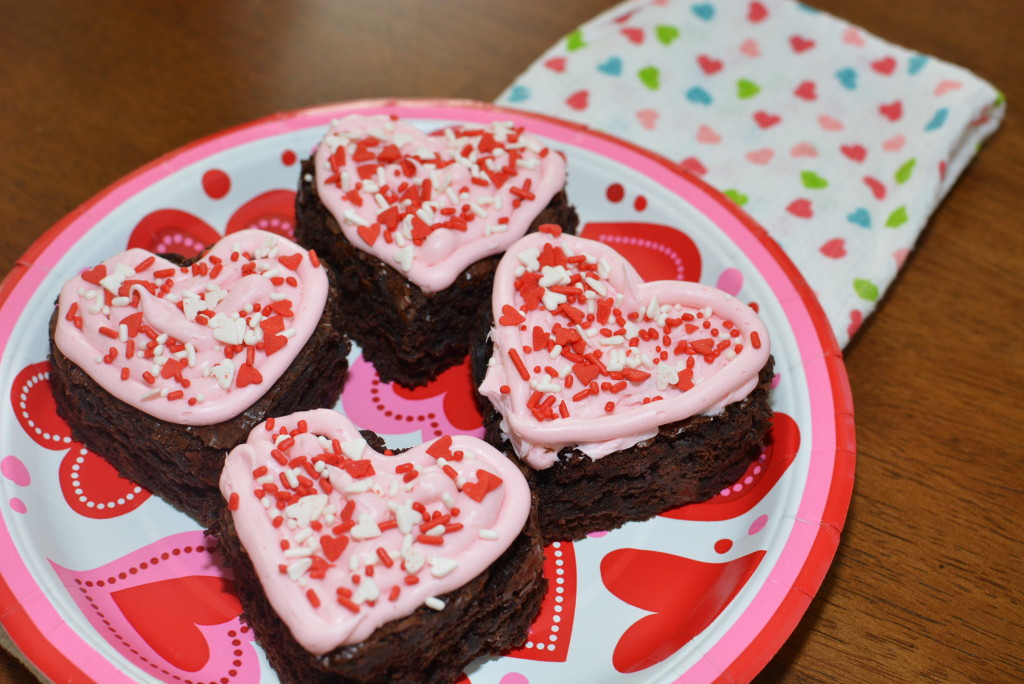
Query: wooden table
point(927, 584)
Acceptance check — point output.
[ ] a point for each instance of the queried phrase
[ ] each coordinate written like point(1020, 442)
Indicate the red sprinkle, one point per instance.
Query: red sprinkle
point(233, 501)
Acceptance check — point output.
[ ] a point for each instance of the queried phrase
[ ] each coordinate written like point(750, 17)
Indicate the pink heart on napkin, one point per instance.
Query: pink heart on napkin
point(585, 351)
point(431, 204)
point(366, 537)
point(195, 344)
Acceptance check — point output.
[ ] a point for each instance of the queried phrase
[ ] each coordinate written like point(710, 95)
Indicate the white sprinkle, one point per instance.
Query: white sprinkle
point(366, 528)
point(529, 259)
point(441, 566)
point(366, 591)
point(298, 552)
point(613, 340)
point(299, 568)
point(434, 603)
point(353, 217)
point(404, 257)
point(488, 534)
point(120, 301)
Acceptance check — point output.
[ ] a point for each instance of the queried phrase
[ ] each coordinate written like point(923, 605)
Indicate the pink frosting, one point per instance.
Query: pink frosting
point(190, 345)
point(430, 205)
point(577, 315)
point(335, 562)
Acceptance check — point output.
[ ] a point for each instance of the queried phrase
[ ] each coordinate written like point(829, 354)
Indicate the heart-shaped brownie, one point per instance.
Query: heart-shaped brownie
point(193, 344)
point(586, 354)
point(345, 539)
point(430, 205)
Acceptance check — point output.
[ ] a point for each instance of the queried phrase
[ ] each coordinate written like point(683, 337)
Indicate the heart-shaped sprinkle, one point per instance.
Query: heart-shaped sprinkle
point(432, 204)
point(186, 344)
point(603, 358)
point(363, 538)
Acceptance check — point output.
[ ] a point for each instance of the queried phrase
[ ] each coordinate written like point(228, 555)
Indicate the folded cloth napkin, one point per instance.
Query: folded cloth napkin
point(838, 143)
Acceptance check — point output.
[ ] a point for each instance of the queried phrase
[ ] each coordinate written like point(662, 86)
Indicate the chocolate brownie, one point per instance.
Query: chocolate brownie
point(320, 582)
point(411, 308)
point(626, 398)
point(176, 456)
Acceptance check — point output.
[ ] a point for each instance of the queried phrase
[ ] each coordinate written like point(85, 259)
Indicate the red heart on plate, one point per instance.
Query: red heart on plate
point(760, 478)
point(169, 624)
point(440, 513)
point(273, 211)
point(657, 252)
point(172, 231)
point(602, 357)
point(680, 610)
point(551, 631)
point(35, 409)
point(186, 344)
point(556, 64)
point(94, 489)
point(442, 200)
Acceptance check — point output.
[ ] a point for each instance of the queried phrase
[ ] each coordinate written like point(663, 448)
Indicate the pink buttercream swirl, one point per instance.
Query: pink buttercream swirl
point(588, 355)
point(429, 205)
point(193, 345)
point(363, 538)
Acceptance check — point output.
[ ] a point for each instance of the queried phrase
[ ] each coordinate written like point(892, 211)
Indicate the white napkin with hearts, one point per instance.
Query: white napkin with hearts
point(838, 143)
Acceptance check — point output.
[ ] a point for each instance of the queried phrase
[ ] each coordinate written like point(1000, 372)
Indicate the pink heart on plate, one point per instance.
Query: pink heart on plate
point(556, 64)
point(946, 86)
point(648, 118)
point(170, 339)
point(399, 193)
point(586, 352)
point(440, 512)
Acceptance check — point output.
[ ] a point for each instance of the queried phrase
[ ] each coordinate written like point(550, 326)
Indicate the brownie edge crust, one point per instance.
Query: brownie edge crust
point(408, 335)
point(181, 464)
point(487, 616)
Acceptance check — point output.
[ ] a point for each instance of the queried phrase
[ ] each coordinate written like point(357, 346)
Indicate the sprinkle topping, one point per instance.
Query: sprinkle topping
point(431, 204)
point(588, 355)
point(193, 344)
point(373, 536)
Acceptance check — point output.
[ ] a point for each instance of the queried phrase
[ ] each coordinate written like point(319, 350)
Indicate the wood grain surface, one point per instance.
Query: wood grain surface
point(927, 584)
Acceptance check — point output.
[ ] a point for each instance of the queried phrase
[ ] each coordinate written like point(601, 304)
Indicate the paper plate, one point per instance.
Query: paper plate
point(100, 581)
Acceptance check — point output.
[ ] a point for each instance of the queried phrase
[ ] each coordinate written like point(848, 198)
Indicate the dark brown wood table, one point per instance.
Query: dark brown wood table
point(928, 582)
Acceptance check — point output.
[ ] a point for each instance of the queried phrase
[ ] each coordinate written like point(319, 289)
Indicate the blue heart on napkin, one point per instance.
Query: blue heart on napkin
point(611, 66)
